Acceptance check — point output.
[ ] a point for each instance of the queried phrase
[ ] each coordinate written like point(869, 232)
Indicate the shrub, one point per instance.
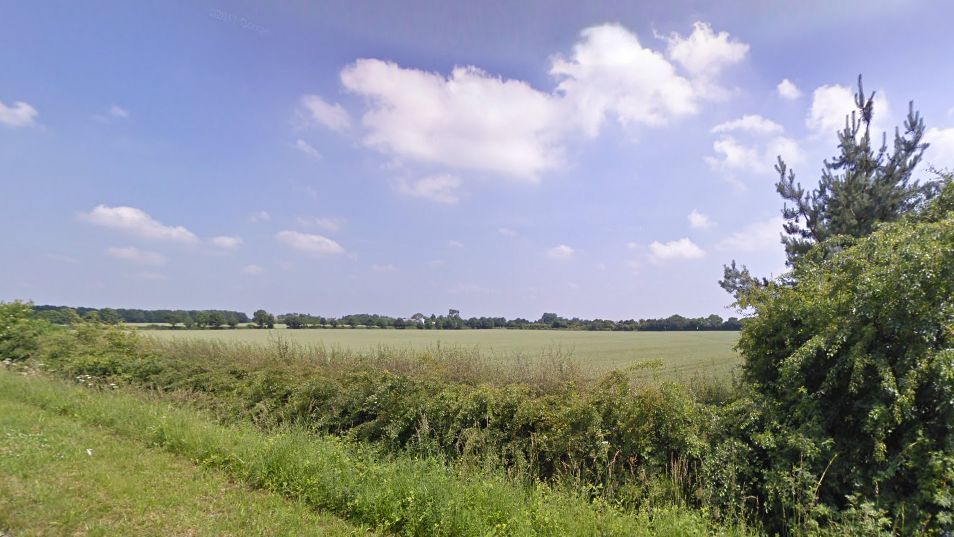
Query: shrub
point(853, 363)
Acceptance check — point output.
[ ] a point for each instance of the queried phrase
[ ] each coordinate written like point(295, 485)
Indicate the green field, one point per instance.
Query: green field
point(681, 353)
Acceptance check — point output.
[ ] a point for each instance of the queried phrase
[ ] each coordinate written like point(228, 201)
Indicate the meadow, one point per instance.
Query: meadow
point(679, 354)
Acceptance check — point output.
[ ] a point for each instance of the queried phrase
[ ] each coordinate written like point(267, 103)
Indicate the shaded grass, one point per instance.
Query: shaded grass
point(402, 495)
point(59, 476)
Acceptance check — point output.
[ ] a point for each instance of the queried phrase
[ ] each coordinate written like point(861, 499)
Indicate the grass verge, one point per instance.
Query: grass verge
point(59, 476)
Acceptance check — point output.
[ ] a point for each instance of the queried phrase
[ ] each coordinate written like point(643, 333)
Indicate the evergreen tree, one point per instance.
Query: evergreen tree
point(860, 187)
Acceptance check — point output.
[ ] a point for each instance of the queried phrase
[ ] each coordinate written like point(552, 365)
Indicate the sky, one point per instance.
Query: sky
point(592, 159)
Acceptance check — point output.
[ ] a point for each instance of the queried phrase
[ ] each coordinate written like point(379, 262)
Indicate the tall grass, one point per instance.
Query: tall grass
point(401, 495)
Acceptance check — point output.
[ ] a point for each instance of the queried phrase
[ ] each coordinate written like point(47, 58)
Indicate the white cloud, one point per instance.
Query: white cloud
point(788, 90)
point(135, 255)
point(332, 116)
point(259, 216)
point(698, 220)
point(469, 120)
point(757, 155)
point(751, 123)
point(941, 153)
point(506, 232)
point(253, 270)
point(473, 120)
point(831, 104)
point(439, 188)
point(307, 149)
point(384, 268)
point(226, 242)
point(137, 222)
point(704, 53)
point(21, 114)
point(561, 251)
point(327, 223)
point(455, 244)
point(632, 245)
point(678, 249)
point(758, 236)
point(308, 243)
point(611, 73)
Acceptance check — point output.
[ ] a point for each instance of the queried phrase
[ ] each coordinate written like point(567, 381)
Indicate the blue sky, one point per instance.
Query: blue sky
point(591, 160)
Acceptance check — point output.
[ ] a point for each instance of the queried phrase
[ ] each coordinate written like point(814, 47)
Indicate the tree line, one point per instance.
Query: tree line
point(548, 321)
point(189, 319)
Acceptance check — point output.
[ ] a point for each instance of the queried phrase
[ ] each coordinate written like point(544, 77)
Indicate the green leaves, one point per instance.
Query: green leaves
point(854, 361)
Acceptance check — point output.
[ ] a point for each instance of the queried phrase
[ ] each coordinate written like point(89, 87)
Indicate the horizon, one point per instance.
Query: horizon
point(600, 162)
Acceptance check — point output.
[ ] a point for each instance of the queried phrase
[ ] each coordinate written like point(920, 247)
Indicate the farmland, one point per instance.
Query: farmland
point(680, 353)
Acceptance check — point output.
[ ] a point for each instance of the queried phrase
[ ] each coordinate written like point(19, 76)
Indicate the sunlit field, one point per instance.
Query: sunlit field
point(680, 353)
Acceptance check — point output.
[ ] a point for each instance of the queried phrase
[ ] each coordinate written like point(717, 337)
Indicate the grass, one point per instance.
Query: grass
point(60, 476)
point(407, 496)
point(680, 353)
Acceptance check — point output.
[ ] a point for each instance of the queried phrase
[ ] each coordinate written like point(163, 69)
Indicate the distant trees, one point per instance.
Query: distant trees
point(263, 319)
point(215, 319)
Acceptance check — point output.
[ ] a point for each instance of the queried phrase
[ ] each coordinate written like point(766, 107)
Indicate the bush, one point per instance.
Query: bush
point(854, 367)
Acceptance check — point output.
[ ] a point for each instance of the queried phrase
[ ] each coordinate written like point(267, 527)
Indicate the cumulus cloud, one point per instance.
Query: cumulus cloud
point(788, 90)
point(698, 220)
point(21, 114)
point(253, 270)
point(226, 242)
point(440, 188)
point(137, 222)
point(473, 120)
point(755, 153)
point(831, 104)
point(468, 120)
point(307, 149)
point(309, 243)
point(704, 54)
point(941, 152)
point(758, 236)
point(132, 254)
point(678, 249)
point(610, 73)
point(751, 123)
point(734, 157)
point(561, 251)
point(332, 116)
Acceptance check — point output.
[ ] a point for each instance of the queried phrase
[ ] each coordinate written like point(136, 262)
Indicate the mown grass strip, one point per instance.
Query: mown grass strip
point(59, 476)
point(403, 496)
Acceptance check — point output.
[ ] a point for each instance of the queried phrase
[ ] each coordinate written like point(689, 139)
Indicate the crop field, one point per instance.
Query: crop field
point(679, 353)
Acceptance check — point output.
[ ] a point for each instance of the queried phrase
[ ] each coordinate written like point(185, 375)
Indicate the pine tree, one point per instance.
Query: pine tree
point(859, 187)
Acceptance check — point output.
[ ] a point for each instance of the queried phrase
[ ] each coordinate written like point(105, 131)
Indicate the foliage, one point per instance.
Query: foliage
point(19, 331)
point(859, 187)
point(263, 319)
point(854, 366)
